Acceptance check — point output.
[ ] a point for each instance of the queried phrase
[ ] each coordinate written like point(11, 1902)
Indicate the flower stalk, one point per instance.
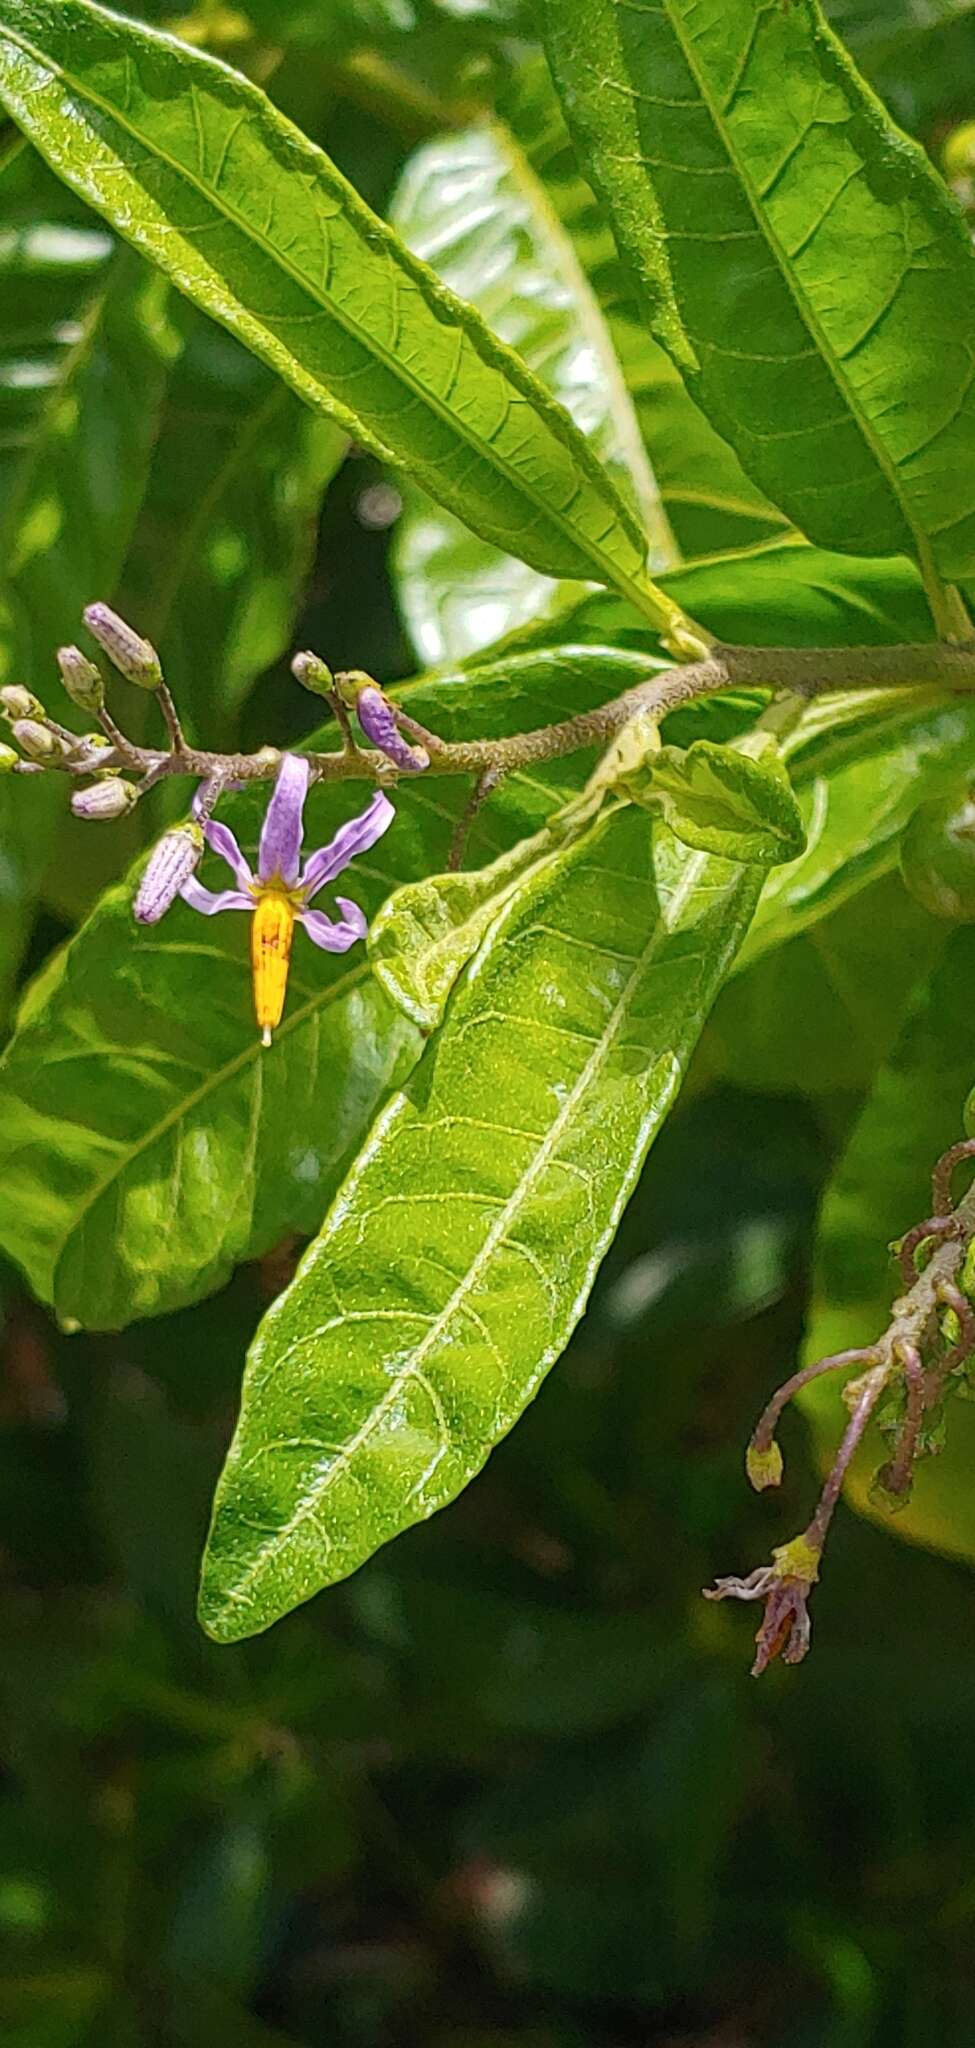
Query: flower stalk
point(928, 1341)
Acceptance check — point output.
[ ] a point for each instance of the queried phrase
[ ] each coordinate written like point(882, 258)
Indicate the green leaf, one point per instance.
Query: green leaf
point(880, 1187)
point(460, 1252)
point(227, 530)
point(734, 800)
point(860, 765)
point(709, 501)
point(150, 1142)
point(471, 205)
point(256, 225)
point(746, 169)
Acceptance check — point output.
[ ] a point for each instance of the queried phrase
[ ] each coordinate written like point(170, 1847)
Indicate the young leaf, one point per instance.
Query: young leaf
point(460, 1252)
point(747, 170)
point(258, 228)
point(727, 800)
point(880, 1187)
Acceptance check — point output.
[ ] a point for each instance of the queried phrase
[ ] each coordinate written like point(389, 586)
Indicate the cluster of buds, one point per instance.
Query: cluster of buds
point(382, 721)
point(42, 742)
point(926, 1352)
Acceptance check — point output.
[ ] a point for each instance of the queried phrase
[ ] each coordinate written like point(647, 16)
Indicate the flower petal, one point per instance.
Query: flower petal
point(282, 831)
point(355, 837)
point(337, 937)
point(205, 901)
point(221, 840)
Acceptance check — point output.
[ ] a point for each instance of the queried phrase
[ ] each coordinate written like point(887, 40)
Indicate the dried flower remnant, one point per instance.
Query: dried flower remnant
point(929, 1342)
point(280, 894)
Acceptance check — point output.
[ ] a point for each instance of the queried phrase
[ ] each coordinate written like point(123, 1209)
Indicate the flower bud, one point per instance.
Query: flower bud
point(376, 717)
point(171, 863)
point(8, 760)
point(81, 679)
point(16, 702)
point(38, 742)
point(108, 799)
point(136, 659)
point(312, 674)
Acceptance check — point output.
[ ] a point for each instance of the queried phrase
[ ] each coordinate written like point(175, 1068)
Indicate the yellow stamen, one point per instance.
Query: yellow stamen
point(272, 930)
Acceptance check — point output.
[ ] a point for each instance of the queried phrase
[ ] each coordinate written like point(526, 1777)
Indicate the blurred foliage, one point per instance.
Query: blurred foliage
point(510, 1786)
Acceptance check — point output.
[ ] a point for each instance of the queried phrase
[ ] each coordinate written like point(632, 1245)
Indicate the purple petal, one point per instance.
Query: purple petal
point(204, 900)
point(355, 837)
point(281, 835)
point(376, 717)
point(337, 937)
point(222, 840)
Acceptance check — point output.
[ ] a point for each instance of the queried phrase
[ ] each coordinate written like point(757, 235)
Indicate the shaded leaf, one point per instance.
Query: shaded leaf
point(227, 530)
point(921, 58)
point(256, 225)
point(451, 1270)
point(738, 224)
point(880, 1187)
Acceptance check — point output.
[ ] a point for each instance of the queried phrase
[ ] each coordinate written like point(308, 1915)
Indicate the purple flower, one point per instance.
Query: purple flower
point(281, 891)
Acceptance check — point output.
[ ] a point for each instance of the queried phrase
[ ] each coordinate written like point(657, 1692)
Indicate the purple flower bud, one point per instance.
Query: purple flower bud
point(375, 715)
point(8, 760)
point(136, 659)
point(38, 742)
point(81, 679)
point(171, 863)
point(108, 799)
point(16, 702)
point(312, 674)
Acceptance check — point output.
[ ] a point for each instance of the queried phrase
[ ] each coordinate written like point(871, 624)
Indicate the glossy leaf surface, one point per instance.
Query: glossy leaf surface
point(461, 1250)
point(881, 1186)
point(256, 225)
point(747, 170)
point(471, 206)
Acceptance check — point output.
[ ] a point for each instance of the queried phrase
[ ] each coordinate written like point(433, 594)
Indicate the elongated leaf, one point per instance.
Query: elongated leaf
point(149, 1141)
point(880, 1187)
point(257, 226)
point(746, 169)
point(472, 207)
point(461, 1250)
point(227, 530)
point(709, 501)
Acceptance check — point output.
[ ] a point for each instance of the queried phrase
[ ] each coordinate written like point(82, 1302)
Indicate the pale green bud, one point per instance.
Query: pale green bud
point(8, 760)
point(311, 672)
point(38, 742)
point(135, 658)
point(16, 702)
point(106, 800)
point(81, 679)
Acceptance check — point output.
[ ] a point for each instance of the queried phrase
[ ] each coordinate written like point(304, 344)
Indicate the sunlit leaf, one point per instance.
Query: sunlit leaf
point(256, 225)
point(747, 171)
point(460, 1252)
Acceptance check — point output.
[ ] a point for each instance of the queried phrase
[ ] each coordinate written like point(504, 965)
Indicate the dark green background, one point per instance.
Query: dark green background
point(510, 1787)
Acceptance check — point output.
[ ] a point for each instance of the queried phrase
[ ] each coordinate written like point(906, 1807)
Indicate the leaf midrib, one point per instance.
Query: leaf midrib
point(845, 390)
point(413, 1369)
point(615, 575)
